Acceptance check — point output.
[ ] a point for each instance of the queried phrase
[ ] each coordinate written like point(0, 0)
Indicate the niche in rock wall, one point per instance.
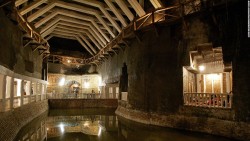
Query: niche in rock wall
point(29, 66)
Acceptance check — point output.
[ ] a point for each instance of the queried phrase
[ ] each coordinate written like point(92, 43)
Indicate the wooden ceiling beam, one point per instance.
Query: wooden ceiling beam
point(20, 2)
point(137, 7)
point(74, 7)
point(116, 12)
point(72, 20)
point(125, 9)
point(31, 6)
point(73, 15)
point(104, 11)
point(76, 37)
point(84, 28)
point(156, 3)
point(82, 31)
point(77, 34)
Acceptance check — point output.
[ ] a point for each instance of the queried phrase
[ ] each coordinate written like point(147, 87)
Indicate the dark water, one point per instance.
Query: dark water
point(100, 125)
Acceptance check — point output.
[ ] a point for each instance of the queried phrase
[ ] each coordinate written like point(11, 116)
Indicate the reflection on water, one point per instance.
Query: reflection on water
point(99, 125)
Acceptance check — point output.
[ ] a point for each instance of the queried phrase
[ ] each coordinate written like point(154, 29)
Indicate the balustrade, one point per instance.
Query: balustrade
point(17, 91)
point(79, 96)
point(217, 100)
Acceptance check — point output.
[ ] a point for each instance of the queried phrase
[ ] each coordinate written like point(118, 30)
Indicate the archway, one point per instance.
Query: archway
point(73, 87)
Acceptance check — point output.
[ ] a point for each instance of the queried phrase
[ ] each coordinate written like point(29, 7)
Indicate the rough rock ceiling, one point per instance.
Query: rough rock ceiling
point(92, 23)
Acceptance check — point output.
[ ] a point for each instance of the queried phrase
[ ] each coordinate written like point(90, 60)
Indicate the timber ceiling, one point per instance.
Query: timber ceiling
point(91, 23)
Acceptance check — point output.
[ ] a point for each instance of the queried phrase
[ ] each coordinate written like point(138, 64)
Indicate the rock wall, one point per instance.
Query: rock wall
point(13, 55)
point(12, 121)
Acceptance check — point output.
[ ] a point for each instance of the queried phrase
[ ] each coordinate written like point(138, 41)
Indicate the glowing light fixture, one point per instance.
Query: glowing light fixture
point(61, 127)
point(214, 76)
point(69, 61)
point(100, 131)
point(62, 81)
point(201, 68)
point(86, 84)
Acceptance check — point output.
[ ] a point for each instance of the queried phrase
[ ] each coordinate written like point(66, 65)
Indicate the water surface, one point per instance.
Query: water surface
point(100, 125)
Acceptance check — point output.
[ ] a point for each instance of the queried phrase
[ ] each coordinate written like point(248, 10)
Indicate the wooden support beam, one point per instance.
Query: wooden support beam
point(20, 2)
point(137, 7)
point(80, 41)
point(31, 6)
point(156, 3)
point(125, 9)
point(84, 28)
point(116, 12)
point(80, 31)
point(41, 11)
point(87, 42)
point(104, 11)
point(77, 16)
point(87, 11)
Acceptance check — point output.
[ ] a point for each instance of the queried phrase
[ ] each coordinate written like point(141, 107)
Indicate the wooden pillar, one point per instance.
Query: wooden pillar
point(45, 91)
point(4, 93)
point(204, 83)
point(31, 92)
point(11, 92)
point(221, 83)
point(106, 92)
point(41, 89)
point(228, 82)
point(35, 91)
point(22, 92)
point(114, 92)
point(198, 80)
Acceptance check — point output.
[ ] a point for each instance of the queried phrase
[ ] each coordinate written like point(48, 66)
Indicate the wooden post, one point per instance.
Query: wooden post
point(228, 82)
point(35, 91)
point(11, 93)
point(106, 92)
point(198, 83)
point(41, 90)
point(114, 92)
point(22, 92)
point(4, 93)
point(221, 83)
point(31, 92)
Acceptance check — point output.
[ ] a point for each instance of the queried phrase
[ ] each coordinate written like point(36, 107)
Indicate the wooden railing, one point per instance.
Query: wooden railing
point(165, 14)
point(32, 33)
point(216, 100)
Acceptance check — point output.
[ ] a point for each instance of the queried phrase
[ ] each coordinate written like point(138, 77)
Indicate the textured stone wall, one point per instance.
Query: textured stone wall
point(12, 121)
point(13, 55)
point(82, 103)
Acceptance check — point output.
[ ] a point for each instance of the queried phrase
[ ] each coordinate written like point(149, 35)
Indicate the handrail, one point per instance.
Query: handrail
point(32, 32)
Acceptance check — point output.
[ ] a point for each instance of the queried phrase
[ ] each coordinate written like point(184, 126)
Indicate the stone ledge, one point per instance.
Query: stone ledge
point(226, 128)
point(82, 103)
